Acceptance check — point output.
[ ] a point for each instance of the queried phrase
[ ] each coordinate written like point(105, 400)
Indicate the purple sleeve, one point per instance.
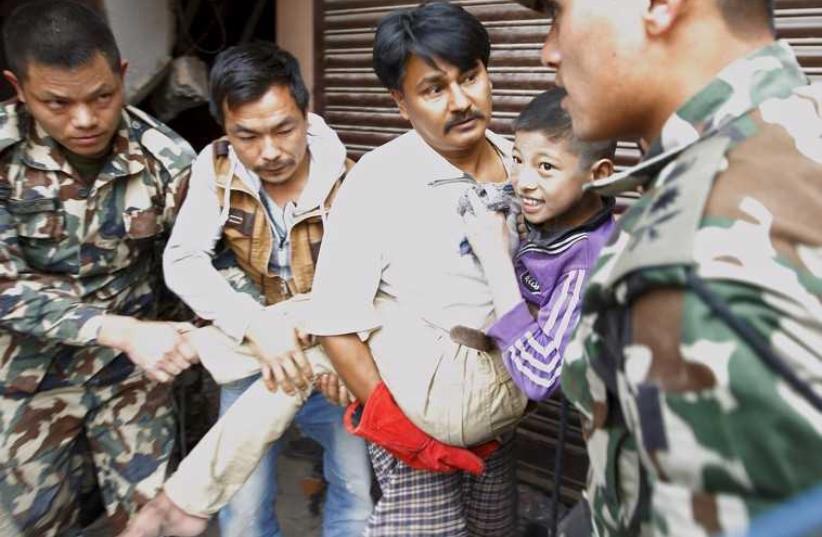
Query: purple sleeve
point(532, 349)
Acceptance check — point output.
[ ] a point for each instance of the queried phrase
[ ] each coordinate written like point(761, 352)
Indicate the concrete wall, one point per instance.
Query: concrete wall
point(144, 31)
point(295, 33)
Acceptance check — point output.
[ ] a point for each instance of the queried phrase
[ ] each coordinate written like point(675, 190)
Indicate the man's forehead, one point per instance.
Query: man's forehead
point(424, 66)
point(86, 78)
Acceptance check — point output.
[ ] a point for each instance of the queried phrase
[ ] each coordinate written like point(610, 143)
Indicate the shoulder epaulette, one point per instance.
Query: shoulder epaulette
point(168, 147)
point(11, 132)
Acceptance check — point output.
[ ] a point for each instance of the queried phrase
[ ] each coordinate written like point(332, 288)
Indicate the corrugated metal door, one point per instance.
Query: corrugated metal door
point(358, 107)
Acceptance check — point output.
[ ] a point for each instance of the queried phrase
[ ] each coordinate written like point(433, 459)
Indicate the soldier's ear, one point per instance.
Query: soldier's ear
point(399, 98)
point(15, 83)
point(662, 14)
point(601, 168)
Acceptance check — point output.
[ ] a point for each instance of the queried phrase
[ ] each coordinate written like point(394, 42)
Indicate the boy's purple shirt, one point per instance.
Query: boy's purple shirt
point(552, 269)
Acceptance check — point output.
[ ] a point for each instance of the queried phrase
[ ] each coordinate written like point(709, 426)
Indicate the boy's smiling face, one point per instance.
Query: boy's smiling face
point(547, 176)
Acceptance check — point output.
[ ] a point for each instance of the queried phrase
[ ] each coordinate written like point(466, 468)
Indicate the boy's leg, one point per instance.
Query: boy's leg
point(460, 395)
point(251, 510)
point(415, 502)
point(490, 499)
point(225, 457)
point(345, 465)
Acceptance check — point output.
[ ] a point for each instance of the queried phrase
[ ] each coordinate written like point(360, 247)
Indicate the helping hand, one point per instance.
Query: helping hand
point(289, 370)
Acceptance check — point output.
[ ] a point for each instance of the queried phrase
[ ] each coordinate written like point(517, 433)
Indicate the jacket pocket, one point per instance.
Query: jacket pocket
point(142, 223)
point(38, 218)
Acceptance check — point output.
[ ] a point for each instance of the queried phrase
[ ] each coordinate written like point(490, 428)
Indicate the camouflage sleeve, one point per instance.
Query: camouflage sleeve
point(38, 304)
point(175, 194)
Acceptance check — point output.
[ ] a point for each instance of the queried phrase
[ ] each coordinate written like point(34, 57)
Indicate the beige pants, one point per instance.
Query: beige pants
point(458, 395)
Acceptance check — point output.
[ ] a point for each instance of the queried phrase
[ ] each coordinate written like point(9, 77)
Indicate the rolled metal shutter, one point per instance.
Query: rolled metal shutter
point(354, 103)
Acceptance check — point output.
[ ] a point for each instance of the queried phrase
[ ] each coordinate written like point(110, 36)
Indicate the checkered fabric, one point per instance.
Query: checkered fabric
point(428, 504)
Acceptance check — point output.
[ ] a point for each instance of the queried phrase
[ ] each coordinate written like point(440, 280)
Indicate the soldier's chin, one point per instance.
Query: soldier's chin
point(89, 150)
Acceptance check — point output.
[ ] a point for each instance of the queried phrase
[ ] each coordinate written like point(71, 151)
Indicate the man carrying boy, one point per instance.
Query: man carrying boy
point(265, 190)
point(88, 190)
point(698, 362)
point(396, 237)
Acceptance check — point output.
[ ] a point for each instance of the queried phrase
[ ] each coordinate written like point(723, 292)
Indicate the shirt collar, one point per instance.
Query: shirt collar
point(769, 72)
point(438, 167)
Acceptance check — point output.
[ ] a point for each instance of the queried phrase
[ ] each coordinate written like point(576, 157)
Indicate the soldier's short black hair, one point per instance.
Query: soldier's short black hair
point(545, 114)
point(243, 73)
point(57, 33)
point(746, 15)
point(436, 30)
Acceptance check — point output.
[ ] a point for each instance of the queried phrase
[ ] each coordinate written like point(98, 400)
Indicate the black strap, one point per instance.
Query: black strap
point(753, 338)
point(559, 456)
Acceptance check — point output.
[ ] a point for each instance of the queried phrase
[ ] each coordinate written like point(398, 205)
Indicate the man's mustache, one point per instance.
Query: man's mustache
point(273, 166)
point(462, 118)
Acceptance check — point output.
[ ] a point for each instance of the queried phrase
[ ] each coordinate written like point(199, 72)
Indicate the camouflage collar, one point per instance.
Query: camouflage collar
point(771, 71)
point(42, 152)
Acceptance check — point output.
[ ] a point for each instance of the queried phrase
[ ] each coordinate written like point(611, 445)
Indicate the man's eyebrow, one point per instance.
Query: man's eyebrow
point(287, 122)
point(242, 129)
point(51, 94)
point(433, 77)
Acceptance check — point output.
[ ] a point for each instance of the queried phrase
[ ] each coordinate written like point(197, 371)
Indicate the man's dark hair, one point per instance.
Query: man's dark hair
point(243, 73)
point(545, 114)
point(431, 31)
point(745, 16)
point(57, 33)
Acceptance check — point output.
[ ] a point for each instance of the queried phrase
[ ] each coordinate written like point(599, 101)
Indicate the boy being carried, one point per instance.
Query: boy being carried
point(567, 226)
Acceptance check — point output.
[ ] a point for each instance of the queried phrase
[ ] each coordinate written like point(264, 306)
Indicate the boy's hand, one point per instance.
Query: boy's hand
point(487, 230)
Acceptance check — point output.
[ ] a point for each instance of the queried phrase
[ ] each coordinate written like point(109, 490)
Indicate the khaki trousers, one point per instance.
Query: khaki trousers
point(458, 395)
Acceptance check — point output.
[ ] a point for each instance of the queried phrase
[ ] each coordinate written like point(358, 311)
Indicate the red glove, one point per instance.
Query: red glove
point(382, 422)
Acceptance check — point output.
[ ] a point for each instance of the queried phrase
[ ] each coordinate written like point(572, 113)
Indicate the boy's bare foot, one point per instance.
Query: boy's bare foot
point(161, 517)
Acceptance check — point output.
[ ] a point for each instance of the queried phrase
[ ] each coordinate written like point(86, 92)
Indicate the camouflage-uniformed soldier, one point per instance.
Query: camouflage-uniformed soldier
point(88, 191)
point(697, 365)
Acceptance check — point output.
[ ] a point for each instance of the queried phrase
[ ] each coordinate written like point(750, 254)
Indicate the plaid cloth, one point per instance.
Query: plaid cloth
point(428, 504)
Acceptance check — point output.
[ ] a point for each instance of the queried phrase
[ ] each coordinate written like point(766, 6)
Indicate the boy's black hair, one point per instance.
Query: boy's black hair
point(545, 114)
point(436, 30)
point(243, 73)
point(57, 33)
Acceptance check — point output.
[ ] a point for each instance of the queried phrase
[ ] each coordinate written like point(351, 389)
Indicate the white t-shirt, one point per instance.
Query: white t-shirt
point(394, 229)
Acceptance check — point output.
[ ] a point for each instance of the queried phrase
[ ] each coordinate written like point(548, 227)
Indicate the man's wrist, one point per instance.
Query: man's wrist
point(115, 331)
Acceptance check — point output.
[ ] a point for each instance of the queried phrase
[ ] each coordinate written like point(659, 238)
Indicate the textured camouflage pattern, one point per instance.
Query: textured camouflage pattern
point(45, 466)
point(70, 252)
point(688, 431)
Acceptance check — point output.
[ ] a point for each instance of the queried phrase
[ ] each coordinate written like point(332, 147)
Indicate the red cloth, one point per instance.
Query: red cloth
point(382, 422)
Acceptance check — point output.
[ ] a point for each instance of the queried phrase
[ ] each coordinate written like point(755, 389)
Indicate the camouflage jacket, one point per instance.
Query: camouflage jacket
point(688, 431)
point(72, 251)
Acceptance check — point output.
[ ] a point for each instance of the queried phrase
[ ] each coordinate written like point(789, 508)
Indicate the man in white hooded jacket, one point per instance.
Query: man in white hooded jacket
point(264, 190)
